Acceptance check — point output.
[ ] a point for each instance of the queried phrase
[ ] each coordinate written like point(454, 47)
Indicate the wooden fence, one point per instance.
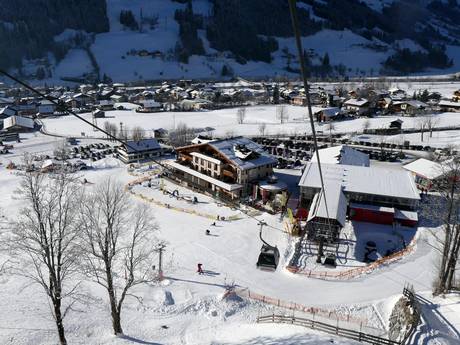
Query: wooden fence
point(409, 293)
point(324, 327)
point(314, 311)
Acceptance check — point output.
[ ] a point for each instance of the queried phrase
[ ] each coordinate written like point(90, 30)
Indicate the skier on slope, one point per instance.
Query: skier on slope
point(200, 269)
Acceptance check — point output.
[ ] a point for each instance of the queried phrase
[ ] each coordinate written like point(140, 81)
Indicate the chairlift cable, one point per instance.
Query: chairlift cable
point(70, 111)
point(295, 26)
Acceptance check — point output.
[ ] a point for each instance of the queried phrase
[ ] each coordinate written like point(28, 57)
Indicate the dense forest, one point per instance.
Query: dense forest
point(246, 29)
point(27, 27)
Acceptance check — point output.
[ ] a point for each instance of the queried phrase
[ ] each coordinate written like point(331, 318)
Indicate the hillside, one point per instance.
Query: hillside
point(131, 40)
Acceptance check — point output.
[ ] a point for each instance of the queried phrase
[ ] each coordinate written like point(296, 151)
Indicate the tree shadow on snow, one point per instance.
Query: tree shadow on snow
point(138, 341)
point(308, 339)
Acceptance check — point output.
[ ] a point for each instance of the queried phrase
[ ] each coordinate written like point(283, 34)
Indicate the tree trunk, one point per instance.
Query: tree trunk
point(452, 263)
point(116, 320)
point(59, 323)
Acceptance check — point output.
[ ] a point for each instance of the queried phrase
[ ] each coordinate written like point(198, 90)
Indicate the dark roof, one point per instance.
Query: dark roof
point(142, 145)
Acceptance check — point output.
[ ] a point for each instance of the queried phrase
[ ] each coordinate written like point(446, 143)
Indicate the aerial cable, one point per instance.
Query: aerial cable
point(295, 26)
point(70, 111)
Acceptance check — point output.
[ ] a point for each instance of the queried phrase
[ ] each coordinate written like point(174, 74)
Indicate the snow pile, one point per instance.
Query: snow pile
point(163, 297)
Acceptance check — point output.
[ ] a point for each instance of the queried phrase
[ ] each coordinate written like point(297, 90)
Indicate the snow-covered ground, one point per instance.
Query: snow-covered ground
point(188, 308)
point(224, 122)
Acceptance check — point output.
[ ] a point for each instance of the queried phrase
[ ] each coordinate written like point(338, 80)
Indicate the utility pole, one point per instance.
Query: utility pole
point(160, 249)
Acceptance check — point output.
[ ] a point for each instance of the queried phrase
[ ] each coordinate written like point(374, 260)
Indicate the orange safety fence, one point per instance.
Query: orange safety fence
point(315, 311)
point(355, 272)
point(166, 205)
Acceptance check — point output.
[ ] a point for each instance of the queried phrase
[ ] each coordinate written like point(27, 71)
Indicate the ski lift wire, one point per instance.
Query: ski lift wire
point(70, 111)
point(295, 26)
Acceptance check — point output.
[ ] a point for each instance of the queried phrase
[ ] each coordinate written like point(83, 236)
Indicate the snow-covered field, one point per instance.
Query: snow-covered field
point(224, 122)
point(188, 308)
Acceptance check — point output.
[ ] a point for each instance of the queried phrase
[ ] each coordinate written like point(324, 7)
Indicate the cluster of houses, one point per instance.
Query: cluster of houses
point(334, 103)
point(331, 102)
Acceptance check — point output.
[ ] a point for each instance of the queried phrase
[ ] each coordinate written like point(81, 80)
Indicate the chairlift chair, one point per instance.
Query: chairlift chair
point(269, 256)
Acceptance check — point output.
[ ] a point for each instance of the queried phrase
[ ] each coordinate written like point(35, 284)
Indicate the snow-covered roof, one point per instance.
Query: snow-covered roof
point(342, 155)
point(228, 148)
point(444, 103)
point(336, 204)
point(48, 163)
point(227, 186)
point(412, 103)
point(6, 100)
point(150, 104)
point(329, 112)
point(364, 180)
point(201, 140)
point(406, 215)
point(142, 145)
point(18, 121)
point(426, 168)
point(7, 111)
point(356, 102)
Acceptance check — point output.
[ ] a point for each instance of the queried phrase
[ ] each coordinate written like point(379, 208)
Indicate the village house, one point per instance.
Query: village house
point(449, 106)
point(194, 104)
point(149, 106)
point(409, 108)
point(139, 150)
point(456, 96)
point(427, 174)
point(6, 101)
point(396, 125)
point(397, 94)
point(359, 106)
point(81, 100)
point(328, 114)
point(7, 112)
point(27, 106)
point(18, 124)
point(105, 104)
point(228, 168)
point(46, 108)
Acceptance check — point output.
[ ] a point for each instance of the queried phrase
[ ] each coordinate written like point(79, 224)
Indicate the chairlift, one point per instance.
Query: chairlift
point(269, 255)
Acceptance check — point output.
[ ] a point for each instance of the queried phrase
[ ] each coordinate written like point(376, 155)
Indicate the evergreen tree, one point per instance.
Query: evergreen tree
point(276, 95)
point(224, 72)
point(40, 74)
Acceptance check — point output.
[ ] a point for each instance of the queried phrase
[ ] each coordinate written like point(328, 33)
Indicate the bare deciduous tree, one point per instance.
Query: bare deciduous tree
point(111, 128)
point(422, 125)
point(119, 244)
point(330, 127)
point(431, 122)
point(262, 128)
point(240, 115)
point(61, 150)
point(45, 239)
point(366, 125)
point(282, 113)
point(446, 210)
point(137, 133)
point(180, 136)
